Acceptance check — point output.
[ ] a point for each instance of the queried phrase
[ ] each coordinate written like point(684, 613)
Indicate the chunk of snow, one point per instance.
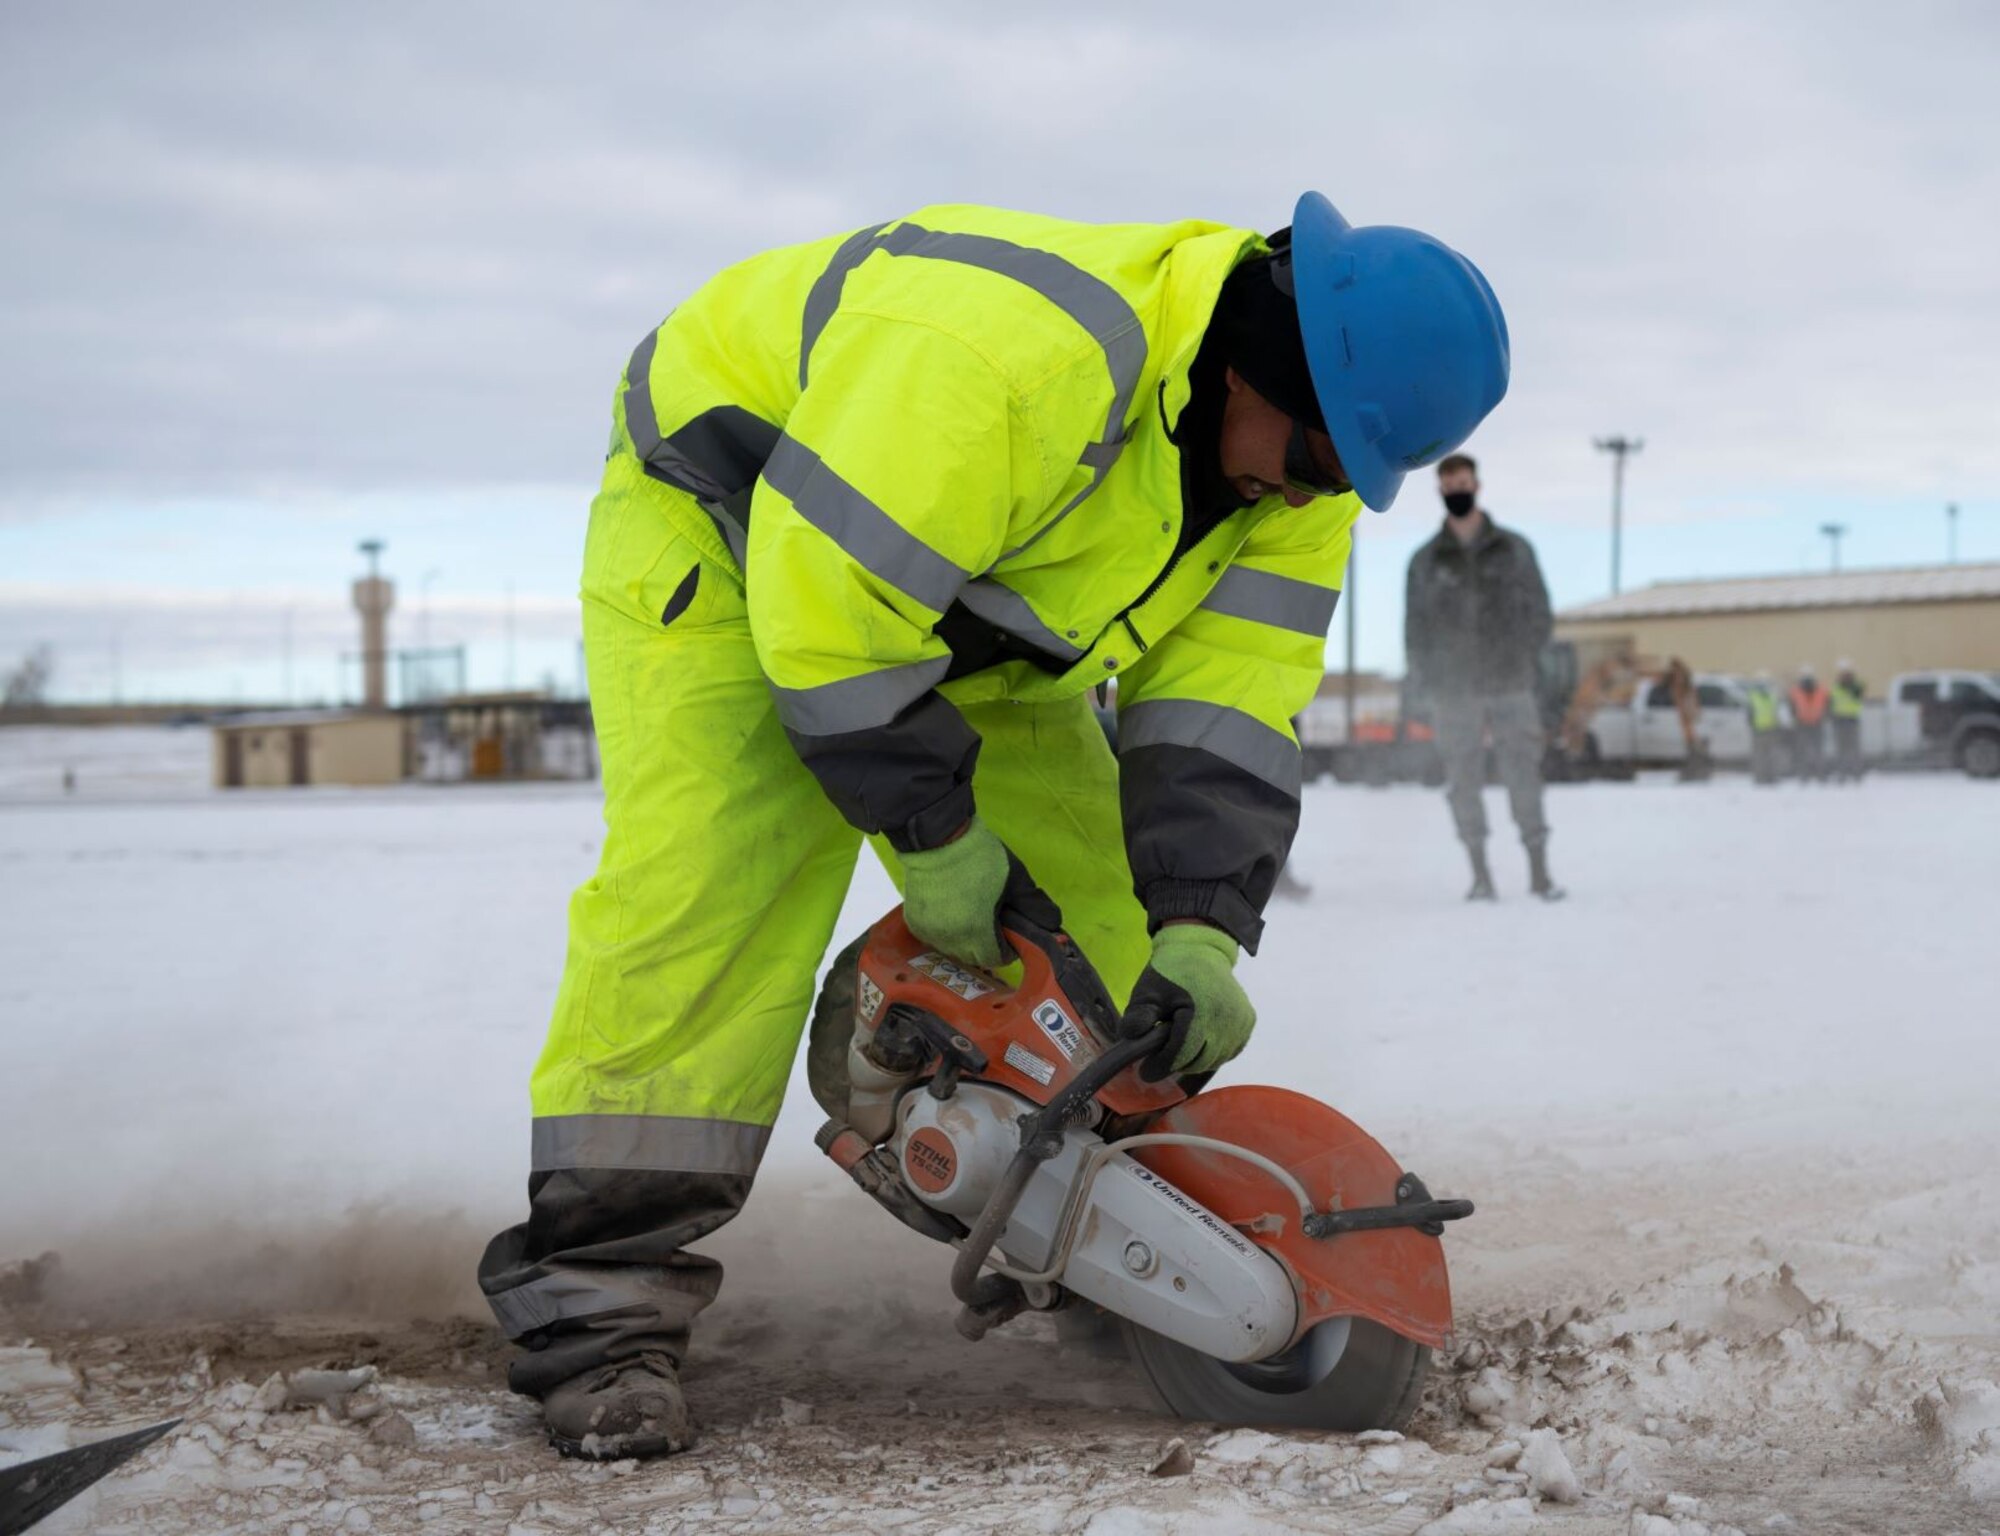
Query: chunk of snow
point(1548, 1469)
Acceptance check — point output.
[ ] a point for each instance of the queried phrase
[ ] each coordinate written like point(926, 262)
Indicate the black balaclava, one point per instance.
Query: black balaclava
point(1254, 329)
point(1259, 324)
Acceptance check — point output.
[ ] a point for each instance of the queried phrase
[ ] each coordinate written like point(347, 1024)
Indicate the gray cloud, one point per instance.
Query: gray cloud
point(274, 251)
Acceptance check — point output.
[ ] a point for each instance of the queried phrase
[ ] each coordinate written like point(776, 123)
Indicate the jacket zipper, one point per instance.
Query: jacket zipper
point(1159, 581)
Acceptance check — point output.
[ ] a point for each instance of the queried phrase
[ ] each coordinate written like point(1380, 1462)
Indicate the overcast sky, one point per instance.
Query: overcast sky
point(277, 278)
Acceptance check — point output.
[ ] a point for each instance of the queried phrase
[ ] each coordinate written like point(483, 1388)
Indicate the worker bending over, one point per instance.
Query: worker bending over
point(879, 513)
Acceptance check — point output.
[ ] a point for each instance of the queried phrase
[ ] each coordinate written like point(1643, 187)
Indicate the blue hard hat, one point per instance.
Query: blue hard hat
point(1406, 343)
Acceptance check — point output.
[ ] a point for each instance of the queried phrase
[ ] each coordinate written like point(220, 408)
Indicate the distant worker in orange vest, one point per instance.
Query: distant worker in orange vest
point(1810, 699)
point(1848, 694)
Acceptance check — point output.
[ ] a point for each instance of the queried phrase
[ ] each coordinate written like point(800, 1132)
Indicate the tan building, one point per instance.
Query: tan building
point(268, 751)
point(468, 737)
point(1885, 622)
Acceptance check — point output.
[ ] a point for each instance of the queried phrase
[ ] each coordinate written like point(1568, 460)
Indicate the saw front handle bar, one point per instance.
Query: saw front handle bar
point(1041, 1139)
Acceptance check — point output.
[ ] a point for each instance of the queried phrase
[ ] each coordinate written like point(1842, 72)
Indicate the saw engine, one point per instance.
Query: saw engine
point(1267, 1261)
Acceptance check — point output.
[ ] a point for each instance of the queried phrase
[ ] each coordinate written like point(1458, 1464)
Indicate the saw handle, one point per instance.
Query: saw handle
point(1042, 1132)
point(1414, 1207)
point(1068, 967)
point(1041, 1139)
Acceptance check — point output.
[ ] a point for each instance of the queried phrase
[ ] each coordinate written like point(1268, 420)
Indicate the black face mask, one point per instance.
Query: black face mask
point(1458, 503)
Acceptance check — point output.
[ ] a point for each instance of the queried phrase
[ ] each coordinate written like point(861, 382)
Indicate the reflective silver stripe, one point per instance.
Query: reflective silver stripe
point(858, 703)
point(734, 534)
point(641, 425)
point(1228, 733)
point(870, 536)
point(1267, 598)
point(715, 458)
point(1090, 301)
point(1004, 608)
point(667, 1143)
point(824, 298)
point(563, 1294)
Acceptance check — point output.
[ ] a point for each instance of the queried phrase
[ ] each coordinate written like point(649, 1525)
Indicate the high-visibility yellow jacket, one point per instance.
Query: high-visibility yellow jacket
point(963, 421)
point(1848, 694)
point(1763, 709)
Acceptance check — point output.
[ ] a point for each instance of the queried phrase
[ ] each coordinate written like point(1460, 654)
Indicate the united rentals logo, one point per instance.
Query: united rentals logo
point(1059, 1027)
point(930, 1160)
point(1201, 1214)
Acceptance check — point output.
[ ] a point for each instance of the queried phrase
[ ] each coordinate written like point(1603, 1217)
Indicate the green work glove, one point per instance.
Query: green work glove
point(1191, 987)
point(954, 895)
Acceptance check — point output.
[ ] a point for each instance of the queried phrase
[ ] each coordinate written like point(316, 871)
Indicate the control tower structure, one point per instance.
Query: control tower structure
point(374, 596)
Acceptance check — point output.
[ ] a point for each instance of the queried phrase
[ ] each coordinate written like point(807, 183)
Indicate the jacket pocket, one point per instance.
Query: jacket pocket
point(683, 597)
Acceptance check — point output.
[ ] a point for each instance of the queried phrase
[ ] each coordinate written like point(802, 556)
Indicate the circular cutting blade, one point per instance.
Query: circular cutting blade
point(1302, 1367)
point(1346, 1374)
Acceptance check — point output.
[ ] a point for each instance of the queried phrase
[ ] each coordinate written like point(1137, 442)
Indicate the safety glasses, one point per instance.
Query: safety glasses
point(1304, 470)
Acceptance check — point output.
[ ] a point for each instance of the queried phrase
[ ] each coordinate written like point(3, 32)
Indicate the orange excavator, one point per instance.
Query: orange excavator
point(1613, 681)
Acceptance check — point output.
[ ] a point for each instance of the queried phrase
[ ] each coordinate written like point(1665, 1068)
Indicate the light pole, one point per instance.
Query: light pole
point(424, 607)
point(1620, 448)
point(1951, 533)
point(1834, 532)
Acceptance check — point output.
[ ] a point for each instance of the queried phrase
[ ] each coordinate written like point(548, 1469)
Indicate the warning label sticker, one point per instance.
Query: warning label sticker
point(867, 999)
point(1026, 1062)
point(1059, 1027)
point(947, 972)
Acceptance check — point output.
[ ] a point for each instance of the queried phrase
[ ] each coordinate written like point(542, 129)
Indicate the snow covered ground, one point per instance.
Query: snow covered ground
point(1729, 1114)
point(114, 762)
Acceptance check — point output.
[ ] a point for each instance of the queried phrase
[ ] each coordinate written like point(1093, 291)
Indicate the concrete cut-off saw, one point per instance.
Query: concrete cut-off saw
point(1265, 1259)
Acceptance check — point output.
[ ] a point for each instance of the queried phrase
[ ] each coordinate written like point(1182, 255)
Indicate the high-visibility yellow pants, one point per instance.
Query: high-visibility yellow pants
point(694, 948)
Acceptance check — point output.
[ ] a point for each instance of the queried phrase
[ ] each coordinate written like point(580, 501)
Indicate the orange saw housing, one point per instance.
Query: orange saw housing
point(1038, 1034)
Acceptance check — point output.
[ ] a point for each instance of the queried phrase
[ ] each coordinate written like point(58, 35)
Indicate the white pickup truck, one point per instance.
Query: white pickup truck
point(1646, 731)
point(1936, 719)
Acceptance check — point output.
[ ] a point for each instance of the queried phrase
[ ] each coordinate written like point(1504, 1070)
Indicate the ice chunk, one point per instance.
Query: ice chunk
point(1548, 1469)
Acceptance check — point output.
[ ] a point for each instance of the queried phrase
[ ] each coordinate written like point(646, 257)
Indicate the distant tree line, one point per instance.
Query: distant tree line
point(28, 683)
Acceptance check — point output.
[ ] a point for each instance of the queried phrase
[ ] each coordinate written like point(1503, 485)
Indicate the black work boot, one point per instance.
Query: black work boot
point(630, 1408)
point(1482, 877)
point(1539, 883)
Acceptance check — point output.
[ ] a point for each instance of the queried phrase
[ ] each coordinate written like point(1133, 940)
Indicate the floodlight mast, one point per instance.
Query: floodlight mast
point(1620, 448)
